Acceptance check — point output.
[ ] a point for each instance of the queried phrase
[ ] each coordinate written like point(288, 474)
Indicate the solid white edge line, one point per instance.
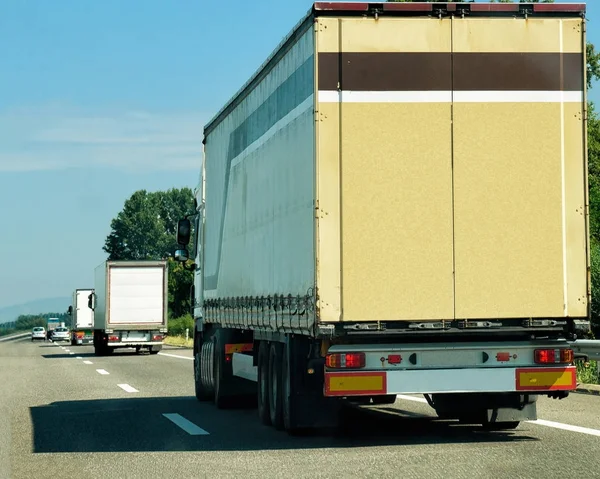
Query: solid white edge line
point(539, 422)
point(88, 362)
point(566, 427)
point(128, 388)
point(334, 96)
point(186, 425)
point(176, 356)
point(102, 371)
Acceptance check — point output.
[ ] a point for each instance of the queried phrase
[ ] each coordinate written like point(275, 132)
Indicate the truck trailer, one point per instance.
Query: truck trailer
point(82, 317)
point(130, 306)
point(396, 203)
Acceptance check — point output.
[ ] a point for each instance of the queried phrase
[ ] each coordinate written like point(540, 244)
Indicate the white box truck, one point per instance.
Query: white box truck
point(82, 317)
point(396, 203)
point(130, 304)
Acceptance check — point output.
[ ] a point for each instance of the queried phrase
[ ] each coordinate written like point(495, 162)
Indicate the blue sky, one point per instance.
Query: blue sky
point(101, 98)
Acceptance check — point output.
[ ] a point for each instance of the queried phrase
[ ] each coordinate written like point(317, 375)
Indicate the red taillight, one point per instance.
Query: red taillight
point(345, 360)
point(502, 357)
point(113, 338)
point(80, 335)
point(551, 356)
point(157, 337)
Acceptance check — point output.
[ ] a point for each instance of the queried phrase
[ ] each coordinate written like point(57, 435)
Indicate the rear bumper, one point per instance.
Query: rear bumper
point(480, 380)
point(126, 344)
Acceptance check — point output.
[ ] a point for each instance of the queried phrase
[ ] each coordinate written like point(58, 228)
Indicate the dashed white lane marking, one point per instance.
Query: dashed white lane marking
point(67, 350)
point(539, 422)
point(186, 425)
point(71, 352)
point(88, 362)
point(128, 388)
point(78, 357)
point(176, 356)
point(102, 371)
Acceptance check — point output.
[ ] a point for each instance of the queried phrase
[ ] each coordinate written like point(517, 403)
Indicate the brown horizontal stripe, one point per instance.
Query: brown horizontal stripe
point(433, 71)
point(385, 71)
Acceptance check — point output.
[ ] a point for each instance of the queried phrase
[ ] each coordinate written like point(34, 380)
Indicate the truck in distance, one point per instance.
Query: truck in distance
point(53, 323)
point(82, 317)
point(129, 303)
point(396, 203)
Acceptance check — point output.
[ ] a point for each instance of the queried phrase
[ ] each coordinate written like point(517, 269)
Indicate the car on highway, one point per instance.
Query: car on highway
point(61, 334)
point(38, 333)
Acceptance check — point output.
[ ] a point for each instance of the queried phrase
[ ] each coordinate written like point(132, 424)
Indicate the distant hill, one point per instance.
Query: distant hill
point(48, 305)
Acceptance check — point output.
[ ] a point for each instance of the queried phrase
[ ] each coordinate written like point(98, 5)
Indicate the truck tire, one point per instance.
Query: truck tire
point(222, 374)
point(276, 385)
point(385, 399)
point(203, 393)
point(155, 349)
point(500, 426)
point(263, 383)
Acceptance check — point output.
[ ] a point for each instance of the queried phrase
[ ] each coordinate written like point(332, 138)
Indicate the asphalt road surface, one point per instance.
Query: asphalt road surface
point(65, 413)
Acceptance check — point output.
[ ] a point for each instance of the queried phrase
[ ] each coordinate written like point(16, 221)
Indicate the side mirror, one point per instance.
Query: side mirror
point(70, 310)
point(182, 255)
point(184, 232)
point(92, 301)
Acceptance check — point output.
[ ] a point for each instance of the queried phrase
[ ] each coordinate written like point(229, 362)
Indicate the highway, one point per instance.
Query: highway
point(66, 413)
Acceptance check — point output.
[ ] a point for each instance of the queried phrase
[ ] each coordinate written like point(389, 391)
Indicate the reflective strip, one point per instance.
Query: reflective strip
point(546, 379)
point(238, 348)
point(355, 383)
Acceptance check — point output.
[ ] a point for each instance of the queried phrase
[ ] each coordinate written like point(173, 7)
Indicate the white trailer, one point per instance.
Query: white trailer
point(130, 305)
point(82, 317)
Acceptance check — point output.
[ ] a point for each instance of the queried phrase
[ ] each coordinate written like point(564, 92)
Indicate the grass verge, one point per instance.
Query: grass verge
point(587, 372)
point(179, 341)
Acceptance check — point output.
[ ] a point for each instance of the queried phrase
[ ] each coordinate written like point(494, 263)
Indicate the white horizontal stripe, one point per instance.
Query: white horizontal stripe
point(88, 362)
point(186, 425)
point(566, 427)
point(78, 357)
point(128, 388)
point(447, 96)
point(385, 96)
point(176, 356)
point(102, 371)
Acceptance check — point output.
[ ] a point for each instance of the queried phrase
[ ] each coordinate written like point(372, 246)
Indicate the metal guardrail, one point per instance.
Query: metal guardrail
point(14, 336)
point(587, 347)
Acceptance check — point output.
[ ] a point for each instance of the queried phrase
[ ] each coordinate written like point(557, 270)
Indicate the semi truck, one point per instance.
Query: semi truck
point(82, 317)
point(130, 304)
point(396, 203)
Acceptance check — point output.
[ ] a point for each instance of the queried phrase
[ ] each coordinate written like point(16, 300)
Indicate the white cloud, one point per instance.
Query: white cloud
point(56, 137)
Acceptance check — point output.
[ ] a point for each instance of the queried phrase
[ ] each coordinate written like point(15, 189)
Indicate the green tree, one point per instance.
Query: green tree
point(145, 230)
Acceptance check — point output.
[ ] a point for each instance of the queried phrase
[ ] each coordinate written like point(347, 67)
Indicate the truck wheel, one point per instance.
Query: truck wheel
point(263, 384)
point(202, 392)
point(288, 412)
point(275, 385)
point(386, 399)
point(500, 426)
point(99, 350)
point(222, 374)
point(155, 349)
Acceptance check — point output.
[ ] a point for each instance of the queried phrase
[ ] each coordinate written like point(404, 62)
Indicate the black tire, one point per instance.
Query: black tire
point(289, 415)
point(500, 426)
point(202, 393)
point(155, 349)
point(222, 376)
point(99, 350)
point(276, 385)
point(386, 399)
point(263, 384)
